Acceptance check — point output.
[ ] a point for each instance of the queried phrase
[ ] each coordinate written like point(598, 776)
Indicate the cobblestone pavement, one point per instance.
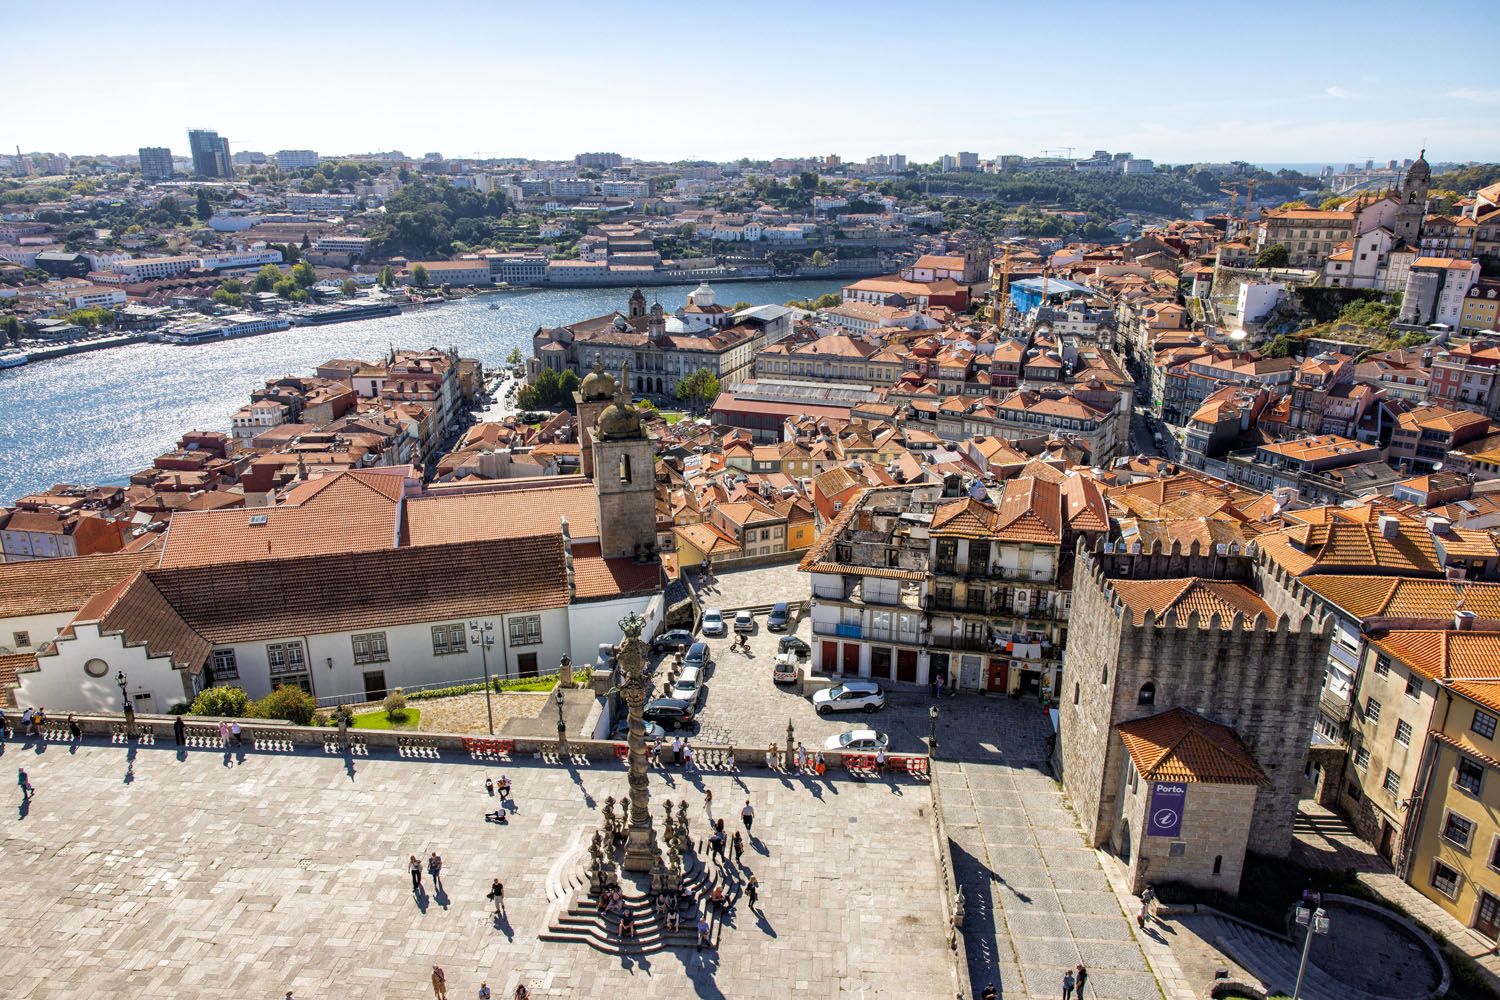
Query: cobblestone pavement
point(1039, 901)
point(750, 588)
point(156, 873)
point(1324, 839)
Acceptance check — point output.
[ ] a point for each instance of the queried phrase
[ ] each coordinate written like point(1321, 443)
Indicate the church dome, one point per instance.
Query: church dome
point(702, 296)
point(597, 385)
point(618, 421)
point(1420, 170)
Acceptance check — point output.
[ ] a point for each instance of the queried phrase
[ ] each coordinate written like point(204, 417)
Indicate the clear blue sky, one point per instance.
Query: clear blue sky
point(1169, 81)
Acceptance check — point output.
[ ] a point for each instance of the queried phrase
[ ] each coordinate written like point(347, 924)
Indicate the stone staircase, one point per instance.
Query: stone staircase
point(1272, 959)
point(576, 918)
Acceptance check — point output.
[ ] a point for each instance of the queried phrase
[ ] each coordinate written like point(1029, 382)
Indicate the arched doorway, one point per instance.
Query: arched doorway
point(1125, 843)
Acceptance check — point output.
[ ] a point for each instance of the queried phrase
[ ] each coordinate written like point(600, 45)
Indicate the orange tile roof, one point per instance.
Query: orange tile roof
point(1346, 546)
point(1186, 595)
point(346, 512)
point(597, 578)
point(1443, 653)
point(346, 591)
point(506, 512)
point(965, 518)
point(1179, 745)
point(137, 610)
point(11, 666)
point(54, 586)
point(1402, 597)
point(1030, 511)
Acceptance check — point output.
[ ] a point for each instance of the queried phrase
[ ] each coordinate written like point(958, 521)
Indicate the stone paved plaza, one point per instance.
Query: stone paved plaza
point(159, 873)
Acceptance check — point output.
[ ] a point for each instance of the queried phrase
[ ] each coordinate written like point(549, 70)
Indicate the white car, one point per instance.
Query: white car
point(858, 741)
point(689, 685)
point(848, 697)
point(713, 623)
point(744, 621)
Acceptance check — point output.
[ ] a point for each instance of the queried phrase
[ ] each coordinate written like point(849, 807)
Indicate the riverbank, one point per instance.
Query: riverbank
point(95, 419)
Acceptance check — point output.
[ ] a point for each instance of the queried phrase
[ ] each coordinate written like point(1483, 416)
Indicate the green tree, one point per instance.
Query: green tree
point(304, 275)
point(550, 390)
point(284, 287)
point(205, 208)
point(1274, 255)
point(1287, 206)
point(819, 259)
point(226, 702)
point(1332, 203)
point(387, 277)
point(349, 288)
point(288, 702)
point(1280, 346)
point(419, 275)
point(225, 297)
point(741, 305)
point(266, 278)
point(515, 357)
point(10, 328)
point(699, 387)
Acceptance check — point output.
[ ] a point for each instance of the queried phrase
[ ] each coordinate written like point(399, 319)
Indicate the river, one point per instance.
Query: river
point(96, 418)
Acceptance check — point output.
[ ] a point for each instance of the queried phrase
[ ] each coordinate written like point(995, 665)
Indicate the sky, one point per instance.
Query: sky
point(1174, 82)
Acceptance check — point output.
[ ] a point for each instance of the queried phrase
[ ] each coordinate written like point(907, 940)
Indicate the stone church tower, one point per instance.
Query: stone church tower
point(594, 393)
point(1412, 196)
point(637, 307)
point(624, 473)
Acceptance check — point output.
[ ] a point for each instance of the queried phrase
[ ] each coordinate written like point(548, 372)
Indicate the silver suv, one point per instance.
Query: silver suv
point(850, 696)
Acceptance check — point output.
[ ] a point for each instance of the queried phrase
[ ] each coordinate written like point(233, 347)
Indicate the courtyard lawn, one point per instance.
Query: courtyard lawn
point(378, 720)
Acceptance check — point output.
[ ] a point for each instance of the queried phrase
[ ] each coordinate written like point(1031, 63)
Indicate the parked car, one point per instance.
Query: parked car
point(795, 646)
point(848, 697)
point(858, 741)
point(678, 638)
point(689, 685)
point(744, 621)
point(669, 713)
point(785, 669)
point(780, 617)
point(698, 656)
point(713, 623)
point(653, 731)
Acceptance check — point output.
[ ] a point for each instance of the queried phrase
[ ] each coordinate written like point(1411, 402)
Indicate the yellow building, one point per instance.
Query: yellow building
point(1452, 840)
point(1481, 308)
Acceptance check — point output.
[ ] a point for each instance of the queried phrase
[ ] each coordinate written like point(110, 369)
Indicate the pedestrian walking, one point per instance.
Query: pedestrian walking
point(26, 721)
point(415, 867)
point(435, 869)
point(752, 890)
point(989, 993)
point(708, 801)
point(748, 815)
point(224, 732)
point(880, 761)
point(771, 757)
point(234, 730)
point(1067, 984)
point(703, 936)
point(484, 991)
point(1081, 979)
point(497, 893)
point(439, 983)
point(801, 758)
point(179, 731)
point(75, 731)
point(522, 993)
point(687, 755)
point(937, 685)
point(739, 847)
point(677, 750)
point(1145, 914)
point(27, 791)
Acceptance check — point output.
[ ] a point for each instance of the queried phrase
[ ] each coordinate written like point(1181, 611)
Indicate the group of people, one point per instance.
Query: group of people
point(34, 723)
point(682, 752)
point(501, 788)
point(802, 758)
point(440, 987)
point(719, 844)
point(434, 870)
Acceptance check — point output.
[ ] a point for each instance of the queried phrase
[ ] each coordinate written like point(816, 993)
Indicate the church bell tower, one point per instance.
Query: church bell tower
point(624, 473)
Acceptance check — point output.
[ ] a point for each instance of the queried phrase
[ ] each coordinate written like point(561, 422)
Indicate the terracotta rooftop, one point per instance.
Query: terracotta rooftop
point(1350, 547)
point(10, 666)
point(1179, 745)
point(1186, 595)
point(1402, 597)
point(137, 610)
point(511, 511)
point(54, 586)
point(1443, 653)
point(597, 578)
point(345, 512)
point(339, 592)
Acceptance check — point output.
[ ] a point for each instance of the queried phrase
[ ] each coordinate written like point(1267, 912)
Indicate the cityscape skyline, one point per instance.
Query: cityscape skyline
point(1288, 109)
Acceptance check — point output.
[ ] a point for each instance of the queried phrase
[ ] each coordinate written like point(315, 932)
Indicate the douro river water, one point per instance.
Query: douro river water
point(96, 418)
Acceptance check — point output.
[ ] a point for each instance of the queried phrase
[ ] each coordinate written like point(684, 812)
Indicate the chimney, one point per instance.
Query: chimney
point(1439, 525)
point(1463, 621)
point(1390, 526)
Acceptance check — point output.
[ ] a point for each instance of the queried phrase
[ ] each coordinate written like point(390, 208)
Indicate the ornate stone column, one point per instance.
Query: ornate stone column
point(640, 839)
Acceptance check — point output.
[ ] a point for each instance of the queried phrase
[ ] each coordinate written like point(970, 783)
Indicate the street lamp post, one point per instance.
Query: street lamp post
point(126, 707)
point(557, 696)
point(1316, 922)
point(482, 634)
point(932, 714)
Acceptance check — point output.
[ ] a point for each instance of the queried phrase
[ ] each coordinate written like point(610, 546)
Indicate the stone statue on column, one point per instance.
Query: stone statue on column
point(640, 838)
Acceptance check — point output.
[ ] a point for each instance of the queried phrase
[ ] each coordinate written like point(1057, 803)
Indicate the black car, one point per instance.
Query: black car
point(792, 644)
point(672, 641)
point(780, 615)
point(669, 713)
